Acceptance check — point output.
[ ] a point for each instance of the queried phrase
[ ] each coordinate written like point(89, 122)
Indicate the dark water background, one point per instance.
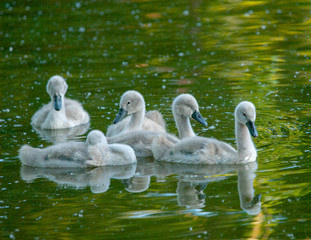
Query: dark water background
point(222, 52)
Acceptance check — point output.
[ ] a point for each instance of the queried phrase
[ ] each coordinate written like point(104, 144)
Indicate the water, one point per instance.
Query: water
point(222, 53)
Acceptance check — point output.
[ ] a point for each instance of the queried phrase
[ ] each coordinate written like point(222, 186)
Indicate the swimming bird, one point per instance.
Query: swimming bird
point(132, 103)
point(200, 150)
point(61, 112)
point(94, 152)
point(103, 154)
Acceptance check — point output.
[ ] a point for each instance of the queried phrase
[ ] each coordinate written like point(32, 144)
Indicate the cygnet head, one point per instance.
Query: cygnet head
point(137, 184)
point(57, 88)
point(95, 137)
point(245, 113)
point(187, 106)
point(131, 102)
point(253, 206)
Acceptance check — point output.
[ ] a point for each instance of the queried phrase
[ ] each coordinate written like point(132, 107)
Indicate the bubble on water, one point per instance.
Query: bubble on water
point(185, 13)
point(78, 5)
point(247, 14)
point(12, 236)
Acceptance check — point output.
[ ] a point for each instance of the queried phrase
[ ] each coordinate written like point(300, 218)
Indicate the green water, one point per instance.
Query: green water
point(222, 52)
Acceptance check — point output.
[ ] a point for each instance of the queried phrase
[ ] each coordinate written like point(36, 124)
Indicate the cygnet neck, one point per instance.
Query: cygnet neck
point(183, 126)
point(137, 119)
point(245, 145)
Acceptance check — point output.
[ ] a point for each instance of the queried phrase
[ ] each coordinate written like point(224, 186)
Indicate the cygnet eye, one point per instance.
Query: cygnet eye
point(128, 102)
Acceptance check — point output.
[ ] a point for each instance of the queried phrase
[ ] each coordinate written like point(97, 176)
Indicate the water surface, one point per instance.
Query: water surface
point(222, 52)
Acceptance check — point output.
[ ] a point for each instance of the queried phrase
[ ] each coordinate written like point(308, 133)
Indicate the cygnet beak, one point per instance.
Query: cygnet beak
point(197, 116)
point(57, 102)
point(252, 128)
point(120, 115)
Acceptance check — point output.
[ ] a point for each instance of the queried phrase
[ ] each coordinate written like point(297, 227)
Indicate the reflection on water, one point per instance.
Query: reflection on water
point(141, 181)
point(191, 194)
point(249, 203)
point(192, 182)
point(194, 179)
point(98, 179)
point(62, 135)
point(137, 184)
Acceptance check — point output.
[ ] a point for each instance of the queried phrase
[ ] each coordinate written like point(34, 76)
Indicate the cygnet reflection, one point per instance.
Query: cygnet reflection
point(98, 179)
point(141, 181)
point(191, 193)
point(62, 135)
point(193, 180)
point(248, 202)
point(137, 184)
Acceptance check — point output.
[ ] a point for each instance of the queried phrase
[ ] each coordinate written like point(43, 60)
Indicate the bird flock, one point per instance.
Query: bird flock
point(136, 133)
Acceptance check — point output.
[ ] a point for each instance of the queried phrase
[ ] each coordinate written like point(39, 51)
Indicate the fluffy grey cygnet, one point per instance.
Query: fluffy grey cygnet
point(94, 152)
point(132, 103)
point(61, 112)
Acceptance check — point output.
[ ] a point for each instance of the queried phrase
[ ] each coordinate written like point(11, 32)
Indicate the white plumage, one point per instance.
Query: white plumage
point(61, 112)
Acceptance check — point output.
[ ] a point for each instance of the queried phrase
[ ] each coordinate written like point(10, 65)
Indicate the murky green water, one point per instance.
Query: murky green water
point(220, 51)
